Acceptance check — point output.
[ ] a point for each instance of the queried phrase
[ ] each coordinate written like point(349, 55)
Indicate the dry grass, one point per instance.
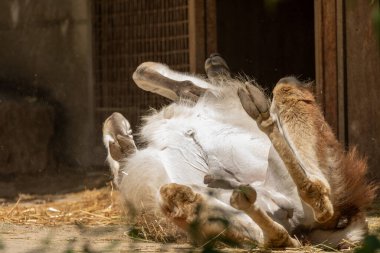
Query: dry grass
point(90, 207)
point(99, 207)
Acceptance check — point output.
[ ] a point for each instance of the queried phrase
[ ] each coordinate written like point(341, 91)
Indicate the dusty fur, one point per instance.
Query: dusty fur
point(345, 171)
point(358, 194)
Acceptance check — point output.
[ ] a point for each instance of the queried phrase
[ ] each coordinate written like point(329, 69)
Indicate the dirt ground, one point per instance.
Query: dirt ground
point(68, 238)
point(91, 221)
point(86, 221)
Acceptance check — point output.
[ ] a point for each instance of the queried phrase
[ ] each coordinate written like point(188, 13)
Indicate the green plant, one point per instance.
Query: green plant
point(371, 244)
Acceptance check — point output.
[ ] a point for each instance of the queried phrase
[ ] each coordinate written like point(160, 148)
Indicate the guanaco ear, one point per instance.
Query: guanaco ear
point(310, 86)
point(308, 92)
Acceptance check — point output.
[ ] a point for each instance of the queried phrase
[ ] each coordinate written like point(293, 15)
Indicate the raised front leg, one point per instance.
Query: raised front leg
point(312, 185)
point(275, 235)
point(118, 139)
point(158, 78)
point(117, 136)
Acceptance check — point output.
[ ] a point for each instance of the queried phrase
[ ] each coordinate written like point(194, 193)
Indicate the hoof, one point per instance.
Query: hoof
point(243, 197)
point(216, 66)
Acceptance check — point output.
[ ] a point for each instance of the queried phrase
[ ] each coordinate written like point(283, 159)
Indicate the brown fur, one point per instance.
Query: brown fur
point(354, 193)
point(345, 171)
point(189, 211)
point(297, 116)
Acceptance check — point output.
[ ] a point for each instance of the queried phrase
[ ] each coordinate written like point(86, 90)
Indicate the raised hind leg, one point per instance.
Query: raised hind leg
point(312, 185)
point(275, 235)
point(160, 79)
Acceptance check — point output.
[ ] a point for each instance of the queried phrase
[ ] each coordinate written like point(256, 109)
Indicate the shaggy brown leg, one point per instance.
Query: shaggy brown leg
point(190, 211)
point(122, 144)
point(148, 78)
point(275, 235)
point(314, 192)
point(180, 204)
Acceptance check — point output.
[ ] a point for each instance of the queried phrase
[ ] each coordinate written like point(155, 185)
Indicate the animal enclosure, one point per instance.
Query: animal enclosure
point(126, 33)
point(65, 66)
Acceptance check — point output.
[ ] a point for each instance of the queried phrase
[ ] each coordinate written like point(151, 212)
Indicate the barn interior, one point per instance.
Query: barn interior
point(65, 66)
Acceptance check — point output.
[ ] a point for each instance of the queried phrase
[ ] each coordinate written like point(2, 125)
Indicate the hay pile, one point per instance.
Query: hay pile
point(90, 207)
point(98, 207)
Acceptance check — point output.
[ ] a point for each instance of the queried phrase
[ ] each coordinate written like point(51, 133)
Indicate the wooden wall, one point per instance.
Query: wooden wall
point(363, 82)
point(348, 73)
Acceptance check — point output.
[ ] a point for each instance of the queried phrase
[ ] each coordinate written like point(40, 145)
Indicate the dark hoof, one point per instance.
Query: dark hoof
point(216, 66)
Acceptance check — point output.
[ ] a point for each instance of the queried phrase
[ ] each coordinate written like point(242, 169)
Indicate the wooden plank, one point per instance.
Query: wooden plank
point(327, 69)
point(211, 34)
point(319, 52)
point(341, 73)
point(329, 61)
point(197, 45)
point(363, 75)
